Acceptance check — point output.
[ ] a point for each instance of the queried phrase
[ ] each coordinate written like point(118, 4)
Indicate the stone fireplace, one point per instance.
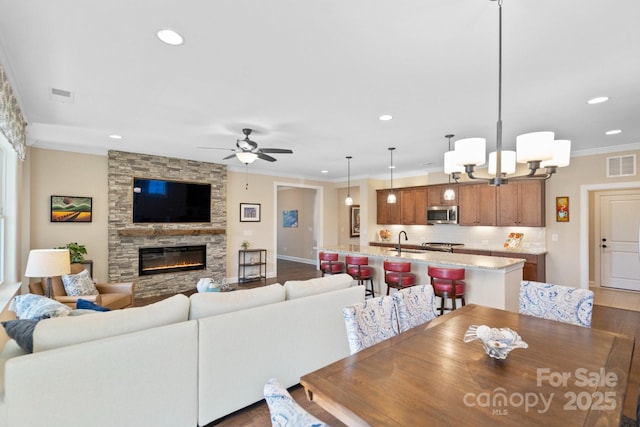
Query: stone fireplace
point(126, 238)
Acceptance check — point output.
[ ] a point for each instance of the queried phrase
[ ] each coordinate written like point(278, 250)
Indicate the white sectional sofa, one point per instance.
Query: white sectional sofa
point(179, 362)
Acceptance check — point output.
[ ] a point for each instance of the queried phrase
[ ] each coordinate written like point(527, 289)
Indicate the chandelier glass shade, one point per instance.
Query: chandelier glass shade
point(536, 149)
point(246, 157)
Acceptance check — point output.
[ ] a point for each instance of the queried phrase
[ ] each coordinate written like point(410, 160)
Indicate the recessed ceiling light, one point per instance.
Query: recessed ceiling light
point(170, 37)
point(598, 100)
point(324, 171)
point(385, 117)
point(114, 136)
point(613, 132)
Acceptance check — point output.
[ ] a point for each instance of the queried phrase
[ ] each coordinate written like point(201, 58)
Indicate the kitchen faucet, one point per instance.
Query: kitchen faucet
point(399, 245)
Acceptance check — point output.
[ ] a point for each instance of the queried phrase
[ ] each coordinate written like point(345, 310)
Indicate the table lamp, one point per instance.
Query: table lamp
point(48, 263)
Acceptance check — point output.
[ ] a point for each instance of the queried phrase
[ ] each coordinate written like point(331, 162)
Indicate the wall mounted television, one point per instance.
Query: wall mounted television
point(161, 201)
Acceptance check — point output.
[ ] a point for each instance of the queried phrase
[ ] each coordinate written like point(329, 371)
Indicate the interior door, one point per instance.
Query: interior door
point(619, 240)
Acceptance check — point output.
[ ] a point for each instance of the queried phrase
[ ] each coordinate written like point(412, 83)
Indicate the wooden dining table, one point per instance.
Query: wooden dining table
point(428, 376)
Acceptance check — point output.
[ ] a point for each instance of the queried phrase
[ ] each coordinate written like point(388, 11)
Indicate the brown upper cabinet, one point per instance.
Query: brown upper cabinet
point(388, 213)
point(477, 204)
point(521, 203)
point(436, 195)
point(414, 206)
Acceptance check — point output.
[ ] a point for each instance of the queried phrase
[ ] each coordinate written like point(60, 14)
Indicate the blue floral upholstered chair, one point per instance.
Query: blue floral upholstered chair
point(415, 305)
point(556, 302)
point(370, 322)
point(284, 411)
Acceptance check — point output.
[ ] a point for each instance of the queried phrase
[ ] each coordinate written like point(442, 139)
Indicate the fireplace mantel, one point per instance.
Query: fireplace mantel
point(143, 232)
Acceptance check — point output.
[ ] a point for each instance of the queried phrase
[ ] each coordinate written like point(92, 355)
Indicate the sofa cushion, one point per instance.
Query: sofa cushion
point(36, 307)
point(21, 330)
point(205, 304)
point(83, 304)
point(63, 331)
point(79, 284)
point(304, 288)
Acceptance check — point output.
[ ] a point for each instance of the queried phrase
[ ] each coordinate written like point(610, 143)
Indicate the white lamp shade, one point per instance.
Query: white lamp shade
point(48, 263)
point(561, 154)
point(451, 163)
point(391, 198)
point(471, 151)
point(534, 146)
point(246, 157)
point(348, 201)
point(507, 164)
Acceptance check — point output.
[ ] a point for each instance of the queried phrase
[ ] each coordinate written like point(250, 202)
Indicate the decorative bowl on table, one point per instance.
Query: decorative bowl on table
point(497, 342)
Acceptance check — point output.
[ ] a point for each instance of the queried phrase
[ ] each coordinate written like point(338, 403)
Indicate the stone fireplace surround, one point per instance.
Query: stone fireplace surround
point(125, 238)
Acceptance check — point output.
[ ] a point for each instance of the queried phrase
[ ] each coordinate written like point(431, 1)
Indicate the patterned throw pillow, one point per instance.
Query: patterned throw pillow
point(79, 284)
point(36, 307)
point(21, 330)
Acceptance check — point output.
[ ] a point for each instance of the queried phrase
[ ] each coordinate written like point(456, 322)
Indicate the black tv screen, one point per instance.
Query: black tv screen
point(156, 200)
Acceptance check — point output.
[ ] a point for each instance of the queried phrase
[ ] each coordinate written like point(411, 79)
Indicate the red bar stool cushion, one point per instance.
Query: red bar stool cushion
point(397, 274)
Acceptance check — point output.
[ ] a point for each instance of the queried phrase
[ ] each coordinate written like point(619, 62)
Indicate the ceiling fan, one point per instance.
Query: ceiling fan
point(248, 150)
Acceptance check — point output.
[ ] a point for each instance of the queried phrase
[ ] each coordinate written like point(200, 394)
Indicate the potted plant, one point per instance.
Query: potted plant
point(245, 245)
point(76, 252)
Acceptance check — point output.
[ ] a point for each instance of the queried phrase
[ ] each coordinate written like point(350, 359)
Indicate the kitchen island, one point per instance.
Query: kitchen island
point(491, 281)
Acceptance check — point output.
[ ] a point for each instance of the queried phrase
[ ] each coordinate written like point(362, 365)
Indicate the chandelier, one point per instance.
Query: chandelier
point(537, 149)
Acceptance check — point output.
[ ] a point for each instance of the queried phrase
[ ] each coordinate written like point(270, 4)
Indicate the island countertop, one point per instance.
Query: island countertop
point(432, 257)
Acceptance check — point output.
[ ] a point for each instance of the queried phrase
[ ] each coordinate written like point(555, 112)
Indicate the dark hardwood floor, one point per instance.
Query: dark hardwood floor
point(606, 318)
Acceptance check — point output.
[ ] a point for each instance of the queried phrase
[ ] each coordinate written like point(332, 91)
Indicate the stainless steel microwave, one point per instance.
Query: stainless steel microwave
point(442, 215)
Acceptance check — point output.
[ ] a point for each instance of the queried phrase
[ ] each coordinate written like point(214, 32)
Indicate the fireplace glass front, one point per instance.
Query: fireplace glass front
point(171, 259)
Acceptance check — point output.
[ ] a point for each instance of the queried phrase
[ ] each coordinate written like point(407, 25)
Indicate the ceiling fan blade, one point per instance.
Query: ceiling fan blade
point(265, 157)
point(216, 148)
point(229, 156)
point(275, 150)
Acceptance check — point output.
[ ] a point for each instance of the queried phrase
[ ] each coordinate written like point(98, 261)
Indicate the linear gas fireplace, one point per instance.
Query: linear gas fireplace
point(171, 259)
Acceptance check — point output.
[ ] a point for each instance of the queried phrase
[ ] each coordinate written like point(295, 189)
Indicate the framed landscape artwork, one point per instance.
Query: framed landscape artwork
point(71, 209)
point(354, 221)
point(249, 212)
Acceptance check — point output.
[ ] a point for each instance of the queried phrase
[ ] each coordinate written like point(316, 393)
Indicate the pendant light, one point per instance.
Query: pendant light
point(537, 149)
point(391, 198)
point(449, 193)
point(348, 201)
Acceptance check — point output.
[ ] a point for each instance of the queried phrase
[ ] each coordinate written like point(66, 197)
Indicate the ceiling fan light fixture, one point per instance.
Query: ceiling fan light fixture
point(246, 157)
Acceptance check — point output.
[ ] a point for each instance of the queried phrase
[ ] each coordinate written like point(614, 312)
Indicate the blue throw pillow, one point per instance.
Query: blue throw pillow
point(83, 304)
point(21, 330)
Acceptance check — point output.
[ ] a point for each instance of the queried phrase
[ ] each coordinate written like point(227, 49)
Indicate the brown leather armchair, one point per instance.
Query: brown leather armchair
point(110, 295)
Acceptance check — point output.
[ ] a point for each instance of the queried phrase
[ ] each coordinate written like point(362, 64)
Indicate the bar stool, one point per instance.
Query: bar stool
point(329, 263)
point(447, 283)
point(358, 268)
point(398, 275)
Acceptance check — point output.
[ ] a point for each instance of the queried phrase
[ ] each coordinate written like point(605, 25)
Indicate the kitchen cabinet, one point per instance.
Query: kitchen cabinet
point(413, 207)
point(534, 268)
point(477, 204)
point(388, 213)
point(521, 203)
point(436, 195)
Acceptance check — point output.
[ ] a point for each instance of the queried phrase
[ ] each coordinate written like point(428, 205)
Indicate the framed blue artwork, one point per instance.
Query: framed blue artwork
point(290, 219)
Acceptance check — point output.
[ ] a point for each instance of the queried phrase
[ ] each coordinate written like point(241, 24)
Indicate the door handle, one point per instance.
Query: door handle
point(603, 246)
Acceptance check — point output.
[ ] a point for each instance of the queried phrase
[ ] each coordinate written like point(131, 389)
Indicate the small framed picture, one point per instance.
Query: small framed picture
point(249, 212)
point(562, 209)
point(354, 221)
point(290, 219)
point(71, 209)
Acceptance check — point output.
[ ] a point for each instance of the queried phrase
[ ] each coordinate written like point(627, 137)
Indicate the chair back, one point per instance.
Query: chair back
point(285, 411)
point(415, 306)
point(356, 260)
point(445, 273)
point(328, 256)
point(56, 281)
point(370, 322)
point(397, 266)
point(556, 302)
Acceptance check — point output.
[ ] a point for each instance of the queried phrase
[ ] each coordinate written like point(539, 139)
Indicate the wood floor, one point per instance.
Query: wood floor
point(615, 311)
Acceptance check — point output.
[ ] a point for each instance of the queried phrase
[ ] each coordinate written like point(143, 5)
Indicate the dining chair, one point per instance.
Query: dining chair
point(448, 283)
point(330, 264)
point(415, 306)
point(284, 411)
point(556, 302)
point(358, 268)
point(370, 322)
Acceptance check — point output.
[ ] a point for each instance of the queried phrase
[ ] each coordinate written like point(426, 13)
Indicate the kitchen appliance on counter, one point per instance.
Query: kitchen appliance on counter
point(440, 246)
point(442, 215)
